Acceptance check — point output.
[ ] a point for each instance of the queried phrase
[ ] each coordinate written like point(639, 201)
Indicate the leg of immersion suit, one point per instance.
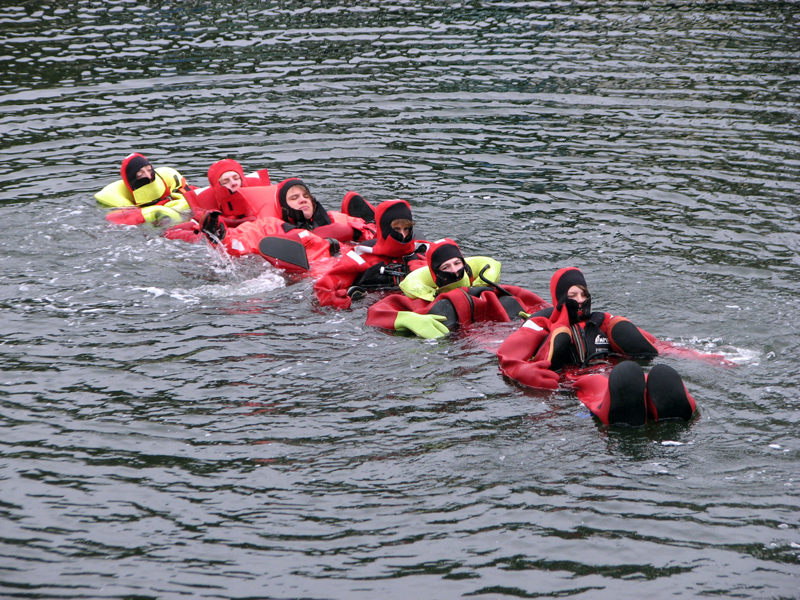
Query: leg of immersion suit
point(618, 398)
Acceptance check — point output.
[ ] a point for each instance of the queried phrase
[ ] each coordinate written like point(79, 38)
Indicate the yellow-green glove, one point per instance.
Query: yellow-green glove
point(157, 212)
point(425, 326)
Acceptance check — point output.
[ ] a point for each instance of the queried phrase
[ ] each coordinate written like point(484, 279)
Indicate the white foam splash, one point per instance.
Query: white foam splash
point(268, 281)
point(733, 354)
point(152, 290)
point(741, 356)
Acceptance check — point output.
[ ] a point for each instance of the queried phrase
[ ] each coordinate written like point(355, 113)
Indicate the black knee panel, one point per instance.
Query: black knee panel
point(561, 346)
point(512, 306)
point(446, 309)
point(630, 340)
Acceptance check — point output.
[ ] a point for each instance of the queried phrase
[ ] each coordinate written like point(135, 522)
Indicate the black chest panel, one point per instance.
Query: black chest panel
point(594, 342)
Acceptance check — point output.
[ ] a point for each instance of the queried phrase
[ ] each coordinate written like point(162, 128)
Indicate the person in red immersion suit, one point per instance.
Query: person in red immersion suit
point(137, 172)
point(450, 292)
point(379, 263)
point(149, 194)
point(299, 209)
point(227, 184)
point(147, 185)
point(298, 216)
point(227, 194)
point(571, 334)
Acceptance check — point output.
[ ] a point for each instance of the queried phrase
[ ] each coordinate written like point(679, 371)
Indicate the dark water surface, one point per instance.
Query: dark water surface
point(174, 424)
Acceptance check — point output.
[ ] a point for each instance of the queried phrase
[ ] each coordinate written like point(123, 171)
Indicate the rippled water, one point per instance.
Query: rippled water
point(178, 424)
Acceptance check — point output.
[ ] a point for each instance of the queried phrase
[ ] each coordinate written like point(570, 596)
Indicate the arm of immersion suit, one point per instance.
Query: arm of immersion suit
point(331, 288)
point(336, 231)
point(556, 339)
point(530, 300)
point(188, 232)
point(394, 312)
point(672, 349)
point(235, 221)
point(191, 231)
point(317, 248)
point(626, 338)
point(515, 352)
point(147, 214)
point(360, 230)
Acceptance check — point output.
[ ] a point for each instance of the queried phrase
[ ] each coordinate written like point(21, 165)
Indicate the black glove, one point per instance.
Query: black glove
point(213, 228)
point(334, 243)
point(577, 312)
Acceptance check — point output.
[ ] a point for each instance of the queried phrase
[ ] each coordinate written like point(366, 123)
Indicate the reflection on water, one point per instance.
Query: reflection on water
point(176, 422)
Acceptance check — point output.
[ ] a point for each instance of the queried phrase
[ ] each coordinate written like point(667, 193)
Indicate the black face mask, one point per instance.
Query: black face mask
point(134, 166)
point(141, 182)
point(577, 312)
point(403, 240)
point(445, 278)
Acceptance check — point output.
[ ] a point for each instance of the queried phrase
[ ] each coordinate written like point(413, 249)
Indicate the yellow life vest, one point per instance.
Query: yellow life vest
point(420, 284)
point(167, 183)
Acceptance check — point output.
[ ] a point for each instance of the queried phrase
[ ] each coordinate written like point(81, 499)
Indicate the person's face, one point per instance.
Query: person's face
point(299, 198)
point(231, 180)
point(576, 293)
point(402, 229)
point(454, 265)
point(145, 173)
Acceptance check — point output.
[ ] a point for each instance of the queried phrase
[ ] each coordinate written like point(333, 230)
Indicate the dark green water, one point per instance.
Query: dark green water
point(174, 424)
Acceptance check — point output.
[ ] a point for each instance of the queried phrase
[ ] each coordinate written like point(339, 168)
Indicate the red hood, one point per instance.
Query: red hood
point(216, 171)
point(130, 165)
point(144, 193)
point(386, 244)
point(441, 251)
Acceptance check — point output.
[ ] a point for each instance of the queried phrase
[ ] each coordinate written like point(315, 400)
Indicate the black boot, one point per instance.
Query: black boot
point(355, 206)
point(626, 390)
point(667, 397)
